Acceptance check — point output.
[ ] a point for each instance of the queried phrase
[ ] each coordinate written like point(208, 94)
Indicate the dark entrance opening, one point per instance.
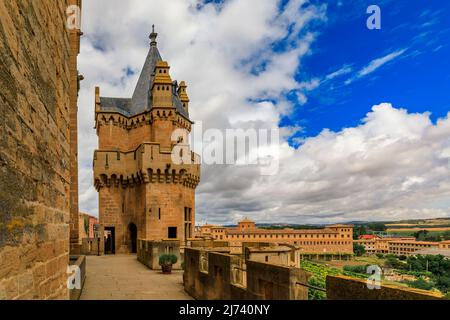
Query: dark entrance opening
point(267, 289)
point(110, 242)
point(172, 232)
point(132, 231)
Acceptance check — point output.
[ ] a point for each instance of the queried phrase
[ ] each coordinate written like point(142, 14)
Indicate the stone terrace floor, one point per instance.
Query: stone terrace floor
point(122, 277)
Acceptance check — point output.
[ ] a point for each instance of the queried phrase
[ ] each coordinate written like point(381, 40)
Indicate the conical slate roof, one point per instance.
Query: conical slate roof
point(141, 100)
point(141, 96)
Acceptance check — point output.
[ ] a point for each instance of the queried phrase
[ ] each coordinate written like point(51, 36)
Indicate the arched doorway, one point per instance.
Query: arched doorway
point(132, 234)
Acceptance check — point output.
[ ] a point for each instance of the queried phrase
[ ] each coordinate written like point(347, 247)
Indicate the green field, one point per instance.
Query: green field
point(319, 273)
point(320, 270)
point(410, 233)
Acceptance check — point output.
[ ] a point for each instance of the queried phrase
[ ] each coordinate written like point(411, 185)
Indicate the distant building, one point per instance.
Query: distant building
point(368, 237)
point(409, 247)
point(399, 246)
point(444, 244)
point(434, 251)
point(286, 255)
point(86, 224)
point(332, 240)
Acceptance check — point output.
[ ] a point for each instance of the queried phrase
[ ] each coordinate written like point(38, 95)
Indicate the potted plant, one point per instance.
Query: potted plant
point(166, 261)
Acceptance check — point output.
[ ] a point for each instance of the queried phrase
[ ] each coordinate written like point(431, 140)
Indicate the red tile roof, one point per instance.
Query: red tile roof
point(368, 236)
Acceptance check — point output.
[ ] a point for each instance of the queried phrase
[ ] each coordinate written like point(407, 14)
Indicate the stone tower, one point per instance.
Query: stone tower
point(143, 194)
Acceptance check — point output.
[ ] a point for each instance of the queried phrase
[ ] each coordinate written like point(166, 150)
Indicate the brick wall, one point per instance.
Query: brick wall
point(35, 149)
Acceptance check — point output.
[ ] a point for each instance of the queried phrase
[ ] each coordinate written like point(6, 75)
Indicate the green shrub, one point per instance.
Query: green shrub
point(356, 269)
point(358, 249)
point(420, 284)
point(167, 259)
point(393, 262)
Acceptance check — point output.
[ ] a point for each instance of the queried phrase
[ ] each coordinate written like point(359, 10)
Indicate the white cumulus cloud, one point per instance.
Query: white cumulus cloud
point(392, 165)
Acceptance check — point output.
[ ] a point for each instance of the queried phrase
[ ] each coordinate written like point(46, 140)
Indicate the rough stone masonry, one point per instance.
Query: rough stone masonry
point(38, 187)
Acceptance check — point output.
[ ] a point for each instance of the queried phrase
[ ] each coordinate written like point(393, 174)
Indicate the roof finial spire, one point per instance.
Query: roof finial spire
point(153, 36)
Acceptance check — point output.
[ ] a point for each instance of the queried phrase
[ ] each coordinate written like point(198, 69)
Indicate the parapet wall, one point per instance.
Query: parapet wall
point(93, 246)
point(148, 252)
point(207, 243)
point(80, 262)
point(218, 276)
point(347, 288)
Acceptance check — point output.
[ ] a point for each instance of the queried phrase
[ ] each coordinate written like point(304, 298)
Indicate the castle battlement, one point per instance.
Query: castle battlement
point(147, 164)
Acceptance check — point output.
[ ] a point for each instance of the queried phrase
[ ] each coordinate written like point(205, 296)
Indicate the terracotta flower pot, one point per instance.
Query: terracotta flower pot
point(166, 268)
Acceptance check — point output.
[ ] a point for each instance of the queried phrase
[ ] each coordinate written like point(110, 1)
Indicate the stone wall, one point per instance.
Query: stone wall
point(74, 82)
point(347, 288)
point(148, 252)
point(218, 276)
point(80, 262)
point(35, 148)
point(206, 243)
point(143, 188)
point(92, 246)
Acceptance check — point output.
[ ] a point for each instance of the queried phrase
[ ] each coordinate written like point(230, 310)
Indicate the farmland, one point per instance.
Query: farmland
point(319, 274)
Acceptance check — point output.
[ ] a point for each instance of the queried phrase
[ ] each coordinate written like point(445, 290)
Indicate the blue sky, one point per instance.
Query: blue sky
point(418, 79)
point(363, 113)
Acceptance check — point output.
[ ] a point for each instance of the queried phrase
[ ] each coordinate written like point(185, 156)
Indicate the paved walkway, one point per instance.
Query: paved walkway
point(122, 277)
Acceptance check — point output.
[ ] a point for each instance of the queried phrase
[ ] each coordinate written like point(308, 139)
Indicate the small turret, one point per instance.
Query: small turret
point(162, 86)
point(183, 95)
